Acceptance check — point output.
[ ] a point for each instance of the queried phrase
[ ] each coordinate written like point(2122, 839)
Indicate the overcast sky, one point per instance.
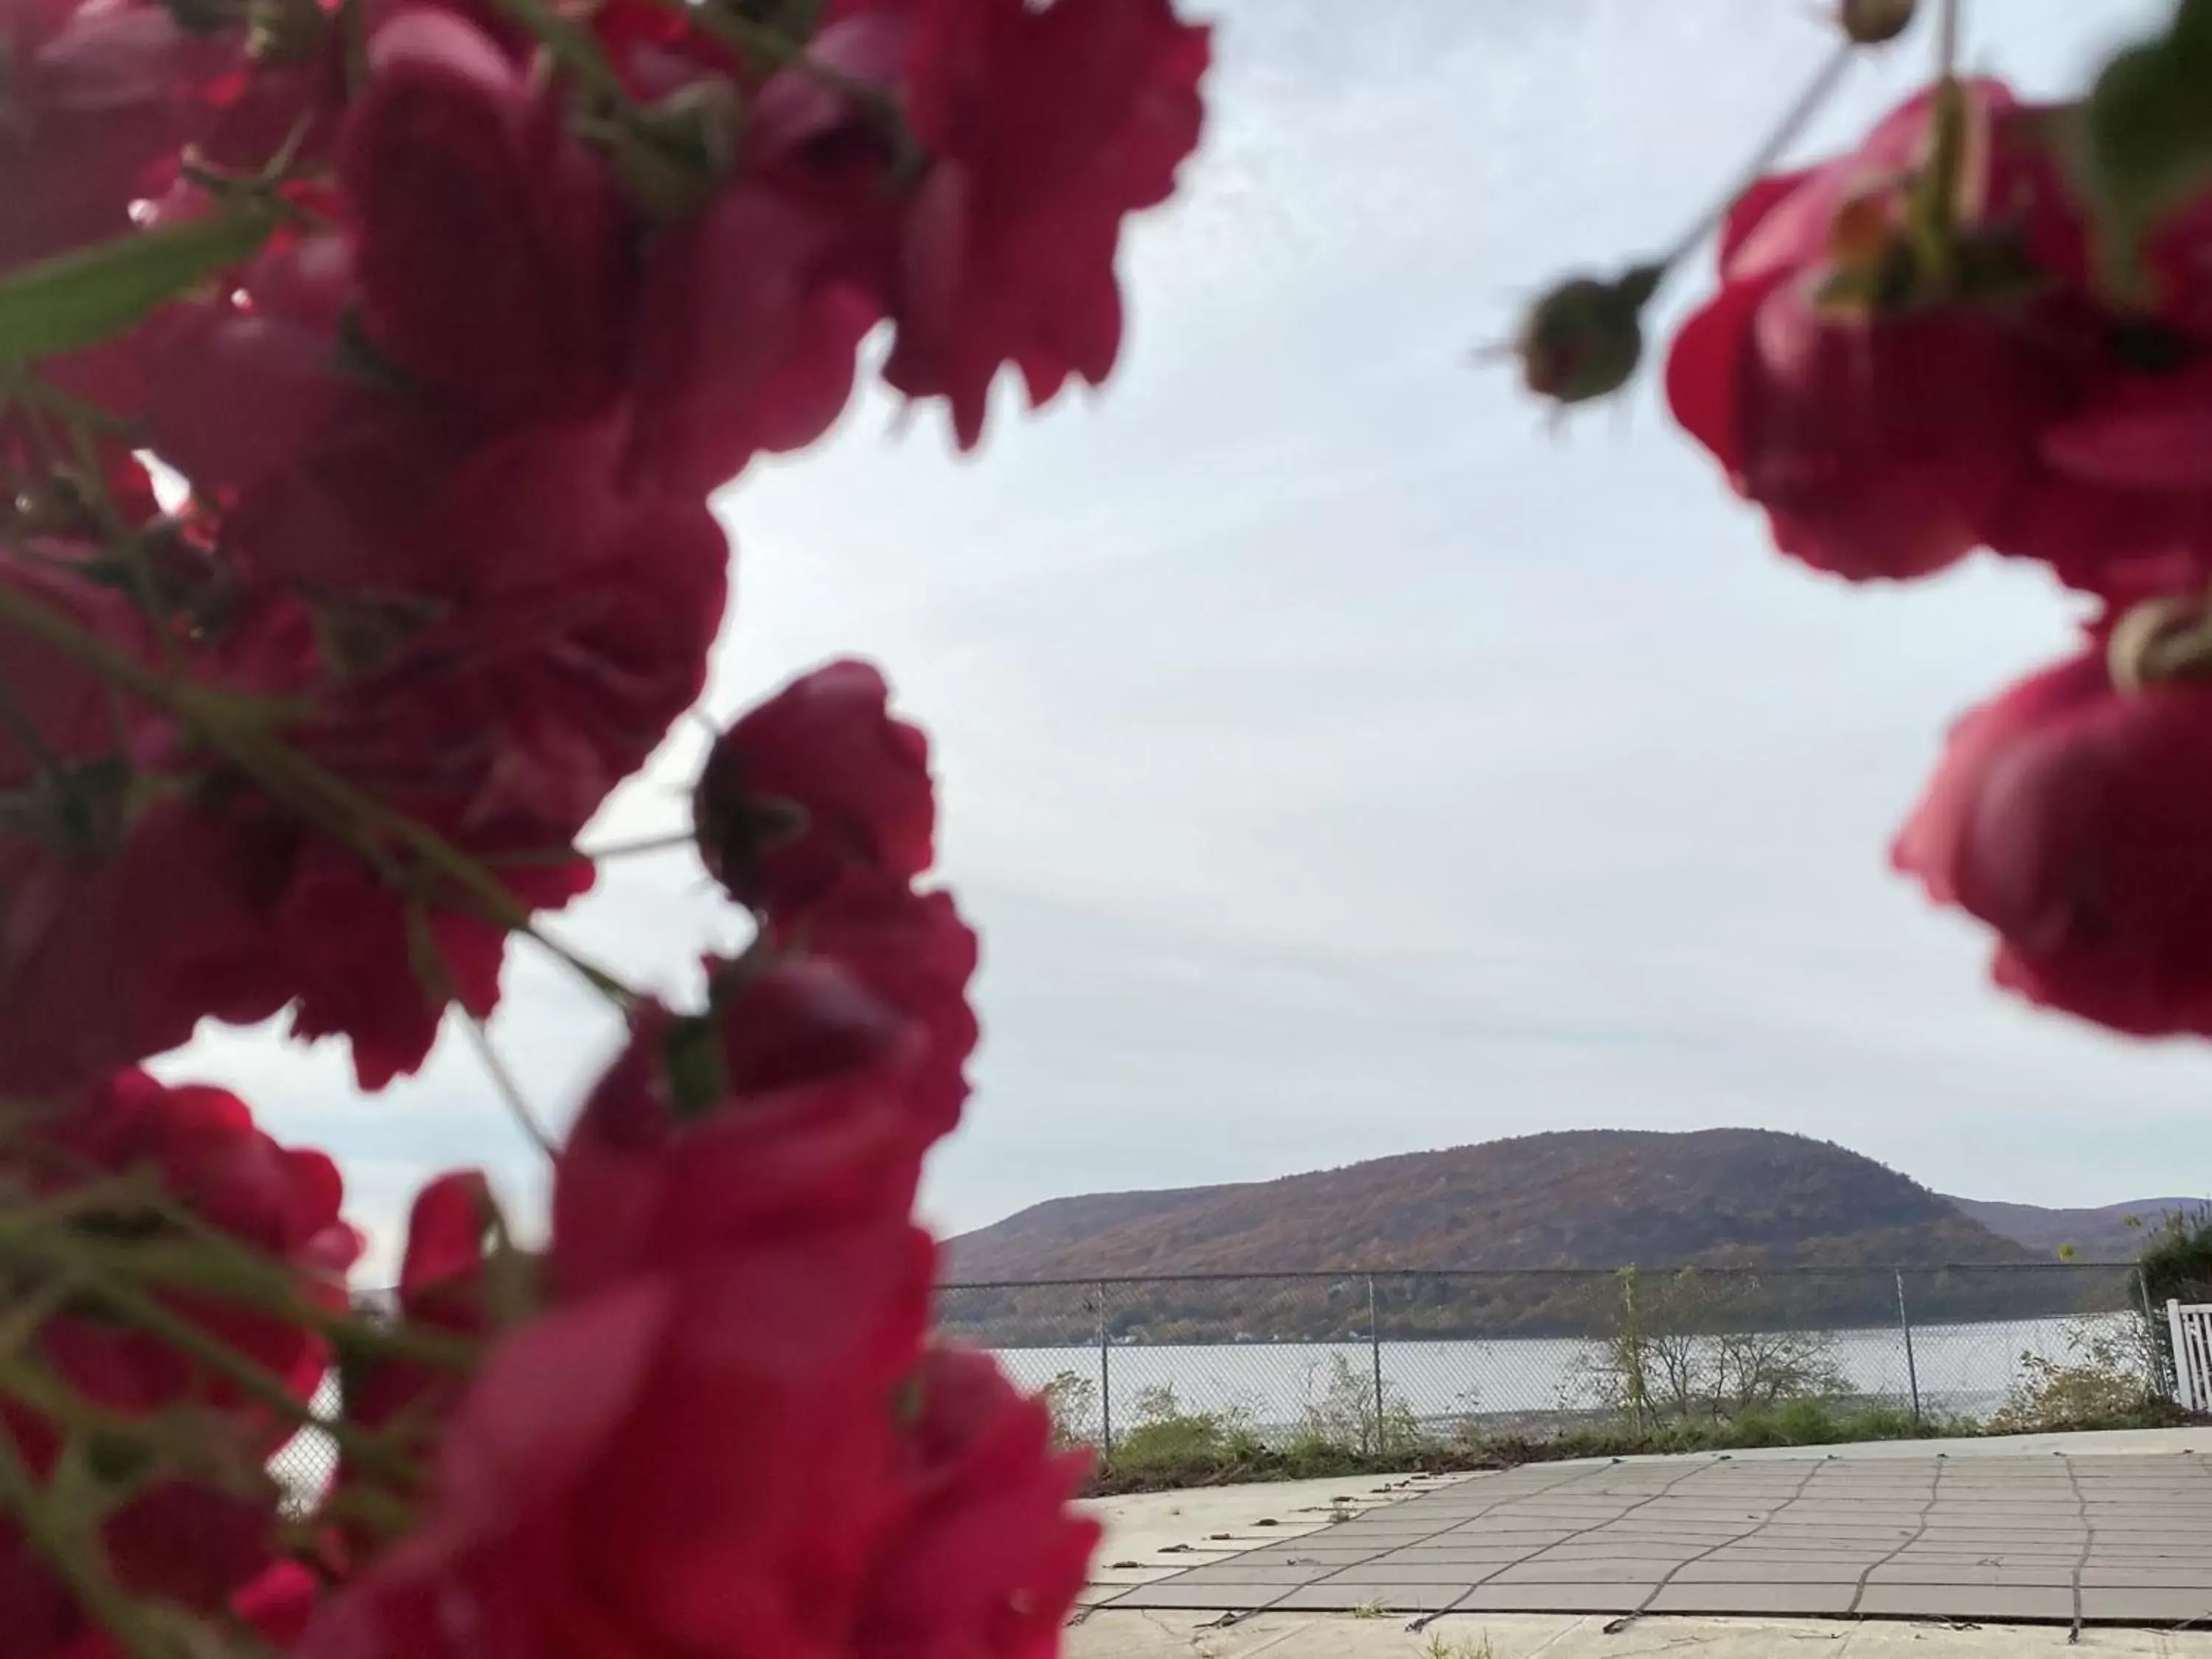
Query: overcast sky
point(1338, 764)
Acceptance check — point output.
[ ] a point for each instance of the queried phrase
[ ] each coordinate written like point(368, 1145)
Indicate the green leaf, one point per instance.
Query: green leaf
point(2147, 135)
point(81, 298)
point(698, 1081)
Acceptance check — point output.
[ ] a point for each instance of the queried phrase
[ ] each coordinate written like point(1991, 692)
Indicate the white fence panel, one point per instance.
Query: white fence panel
point(2191, 1325)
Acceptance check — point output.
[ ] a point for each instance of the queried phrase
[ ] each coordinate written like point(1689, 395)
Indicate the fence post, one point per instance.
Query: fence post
point(2153, 1360)
point(1375, 1350)
point(2184, 1381)
point(1105, 1380)
point(1633, 1344)
point(1912, 1367)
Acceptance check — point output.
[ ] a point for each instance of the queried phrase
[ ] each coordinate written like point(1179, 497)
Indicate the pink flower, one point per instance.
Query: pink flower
point(2074, 818)
point(817, 782)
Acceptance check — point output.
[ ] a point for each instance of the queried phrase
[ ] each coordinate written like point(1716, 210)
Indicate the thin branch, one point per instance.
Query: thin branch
point(573, 47)
point(75, 1565)
point(1786, 132)
point(773, 47)
point(518, 1107)
point(625, 849)
point(83, 1267)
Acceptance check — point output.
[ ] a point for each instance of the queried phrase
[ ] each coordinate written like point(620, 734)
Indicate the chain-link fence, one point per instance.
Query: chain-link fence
point(1381, 1362)
point(1371, 1360)
point(305, 1464)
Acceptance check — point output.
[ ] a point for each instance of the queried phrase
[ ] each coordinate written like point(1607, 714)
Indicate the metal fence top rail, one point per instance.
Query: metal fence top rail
point(1864, 1268)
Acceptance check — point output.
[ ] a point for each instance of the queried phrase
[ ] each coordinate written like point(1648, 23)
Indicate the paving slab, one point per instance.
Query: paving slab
point(2054, 1536)
point(1375, 1634)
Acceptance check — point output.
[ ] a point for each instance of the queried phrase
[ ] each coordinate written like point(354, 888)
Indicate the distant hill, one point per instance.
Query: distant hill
point(2098, 1234)
point(1595, 1199)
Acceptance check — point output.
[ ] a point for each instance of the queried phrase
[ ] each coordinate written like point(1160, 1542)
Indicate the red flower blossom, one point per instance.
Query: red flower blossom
point(110, 952)
point(277, 1605)
point(441, 1289)
point(747, 341)
point(238, 395)
point(817, 782)
point(57, 714)
point(1888, 435)
point(179, 1538)
point(2074, 818)
point(1043, 127)
point(912, 951)
point(807, 1128)
point(696, 1459)
point(97, 101)
point(493, 253)
point(574, 631)
point(1880, 443)
point(1046, 127)
point(985, 1557)
point(348, 949)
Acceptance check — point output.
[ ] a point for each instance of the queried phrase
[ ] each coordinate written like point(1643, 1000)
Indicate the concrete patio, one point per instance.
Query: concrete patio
point(2082, 1536)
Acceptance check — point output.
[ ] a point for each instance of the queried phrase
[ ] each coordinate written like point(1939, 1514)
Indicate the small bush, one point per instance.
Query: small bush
point(1344, 1412)
point(2176, 1266)
point(2176, 1258)
point(2103, 1382)
point(1164, 1436)
point(1686, 1349)
point(1072, 1399)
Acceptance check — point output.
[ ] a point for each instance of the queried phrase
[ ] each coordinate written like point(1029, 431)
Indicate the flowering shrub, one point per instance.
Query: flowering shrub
point(445, 317)
point(1990, 326)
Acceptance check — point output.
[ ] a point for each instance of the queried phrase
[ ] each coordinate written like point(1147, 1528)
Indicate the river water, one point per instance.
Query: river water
point(1963, 1370)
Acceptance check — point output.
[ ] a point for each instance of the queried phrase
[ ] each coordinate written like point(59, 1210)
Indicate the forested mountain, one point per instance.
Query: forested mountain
point(1592, 1197)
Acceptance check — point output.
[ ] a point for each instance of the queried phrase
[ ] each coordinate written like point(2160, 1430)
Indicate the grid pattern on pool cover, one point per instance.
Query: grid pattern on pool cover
point(1992, 1540)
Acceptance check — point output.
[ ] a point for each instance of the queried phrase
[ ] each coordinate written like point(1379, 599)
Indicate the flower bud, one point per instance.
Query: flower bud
point(2160, 639)
point(1584, 338)
point(1871, 23)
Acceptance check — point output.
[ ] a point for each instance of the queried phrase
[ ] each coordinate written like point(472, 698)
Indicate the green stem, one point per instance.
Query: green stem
point(1936, 222)
point(777, 49)
point(572, 47)
point(219, 1266)
point(1785, 133)
point(75, 1560)
point(74, 1263)
point(623, 849)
